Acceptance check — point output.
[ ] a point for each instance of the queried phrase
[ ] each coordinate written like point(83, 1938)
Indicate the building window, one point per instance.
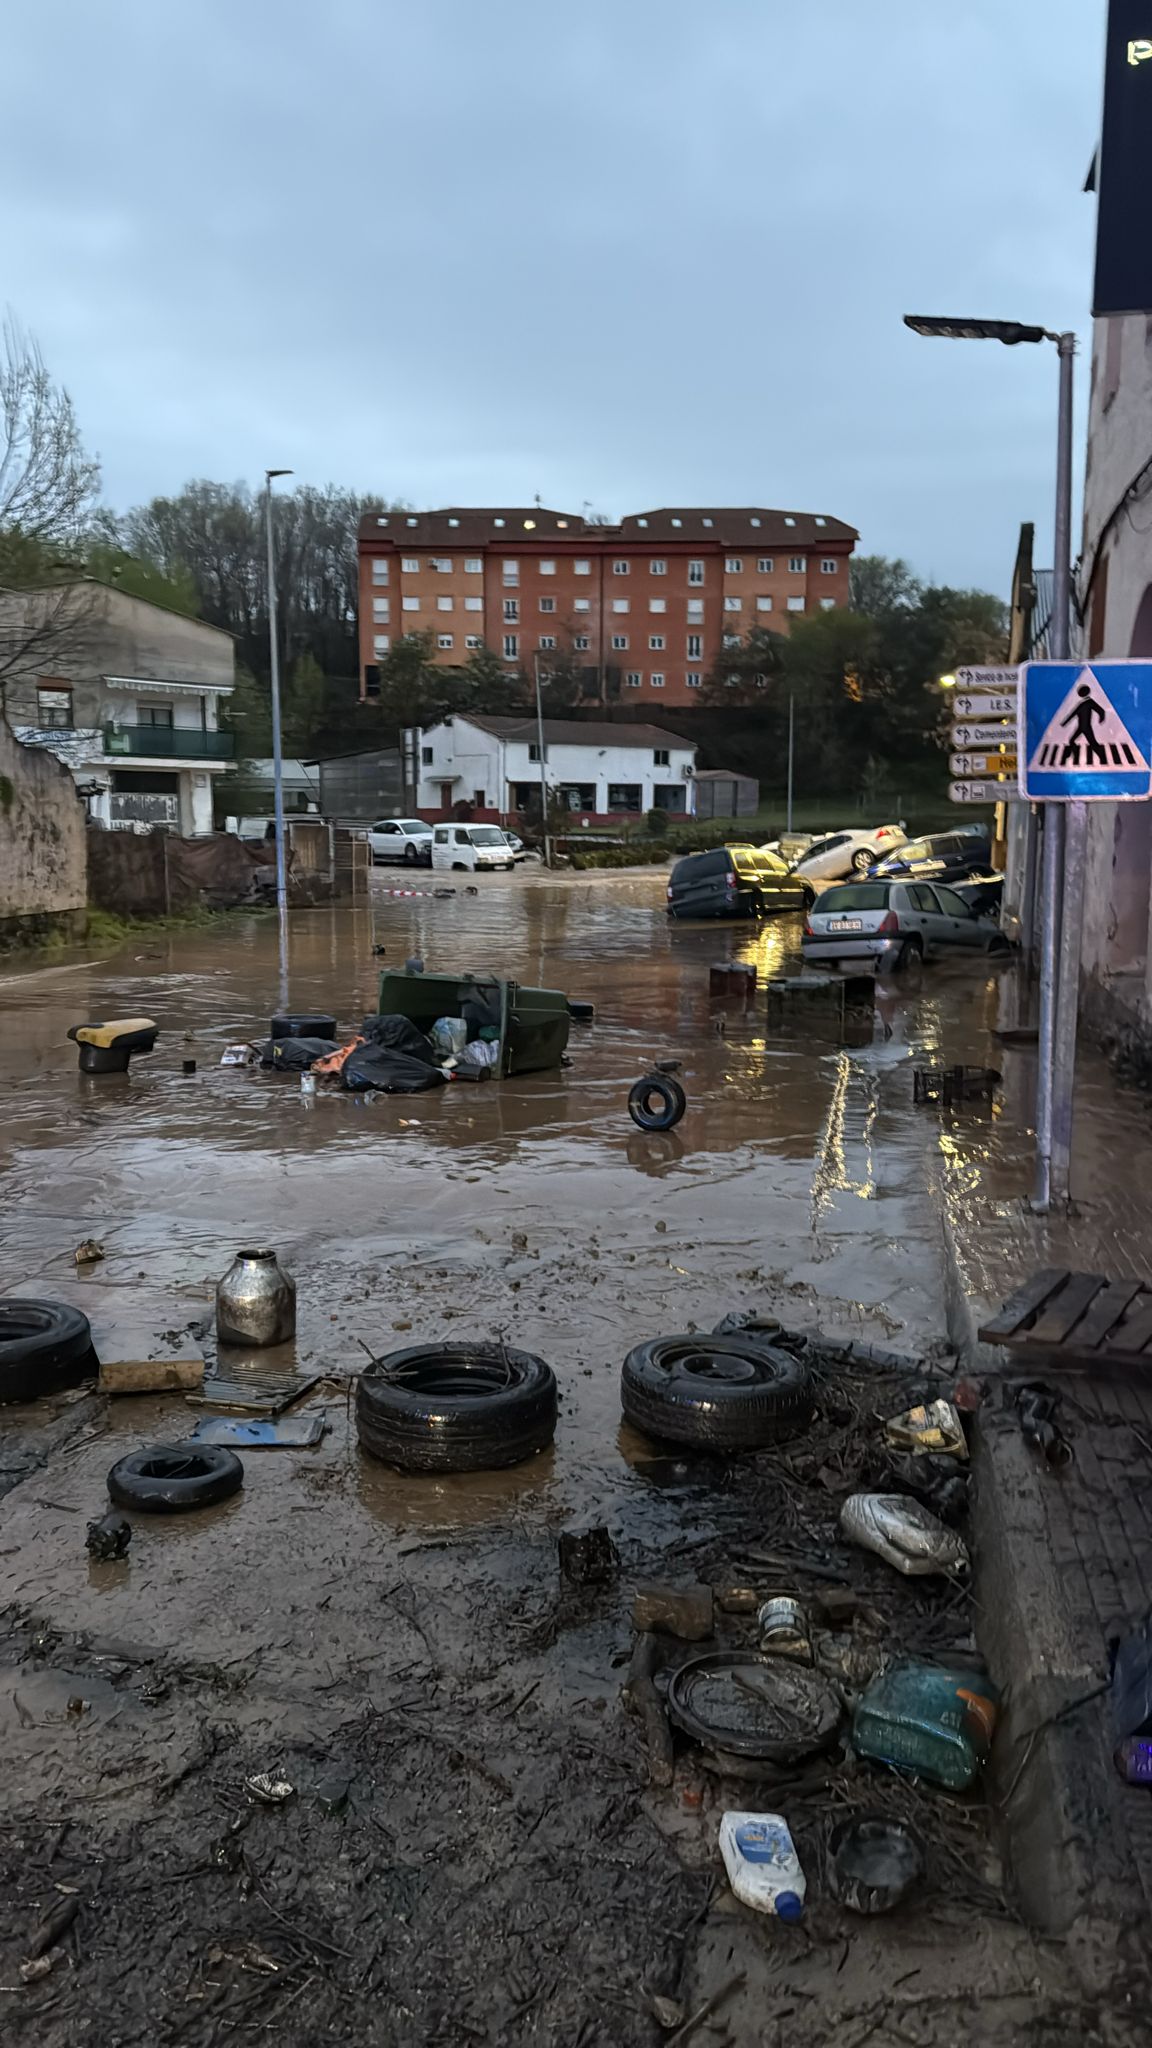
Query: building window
point(621, 604)
point(54, 707)
point(695, 608)
point(828, 566)
point(656, 642)
point(657, 682)
point(621, 568)
point(657, 604)
point(473, 565)
point(444, 604)
point(547, 640)
point(380, 608)
point(662, 758)
point(633, 678)
point(380, 643)
point(827, 604)
point(473, 604)
point(379, 569)
point(658, 566)
point(410, 564)
point(547, 568)
point(473, 641)
point(581, 604)
point(427, 757)
point(581, 568)
point(731, 604)
point(795, 604)
point(411, 604)
point(695, 572)
point(155, 714)
point(763, 604)
point(695, 646)
point(765, 566)
point(797, 565)
point(511, 646)
point(511, 572)
point(692, 679)
point(442, 563)
point(619, 642)
point(734, 565)
point(445, 640)
point(512, 610)
point(582, 643)
point(547, 604)
point(533, 751)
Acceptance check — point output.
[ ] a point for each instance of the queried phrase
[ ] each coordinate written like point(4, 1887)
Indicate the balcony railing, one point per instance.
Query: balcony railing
point(169, 742)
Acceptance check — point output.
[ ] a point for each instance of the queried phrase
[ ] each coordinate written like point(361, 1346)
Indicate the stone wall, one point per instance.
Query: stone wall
point(43, 856)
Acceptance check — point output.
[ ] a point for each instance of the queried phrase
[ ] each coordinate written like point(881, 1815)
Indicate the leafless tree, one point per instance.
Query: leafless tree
point(47, 480)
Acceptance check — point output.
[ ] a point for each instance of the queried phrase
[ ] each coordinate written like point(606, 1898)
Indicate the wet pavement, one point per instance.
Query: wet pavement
point(337, 1609)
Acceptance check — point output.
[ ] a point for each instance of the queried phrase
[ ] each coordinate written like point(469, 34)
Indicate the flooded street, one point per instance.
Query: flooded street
point(500, 1872)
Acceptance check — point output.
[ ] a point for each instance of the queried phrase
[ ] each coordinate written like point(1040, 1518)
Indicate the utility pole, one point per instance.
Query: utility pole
point(543, 767)
point(791, 753)
point(277, 744)
point(1054, 1163)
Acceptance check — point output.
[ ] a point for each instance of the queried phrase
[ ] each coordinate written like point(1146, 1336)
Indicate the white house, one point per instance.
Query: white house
point(604, 773)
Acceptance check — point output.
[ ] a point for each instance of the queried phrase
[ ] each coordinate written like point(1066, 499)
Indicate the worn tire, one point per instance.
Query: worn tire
point(411, 856)
point(862, 860)
point(912, 949)
point(44, 1345)
point(172, 1479)
point(666, 1091)
point(456, 1407)
point(729, 1393)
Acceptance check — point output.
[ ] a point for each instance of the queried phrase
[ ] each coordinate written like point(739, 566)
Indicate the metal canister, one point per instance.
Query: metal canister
point(785, 1630)
point(255, 1301)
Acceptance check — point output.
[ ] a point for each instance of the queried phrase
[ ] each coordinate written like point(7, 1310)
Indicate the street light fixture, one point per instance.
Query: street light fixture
point(277, 748)
point(1065, 836)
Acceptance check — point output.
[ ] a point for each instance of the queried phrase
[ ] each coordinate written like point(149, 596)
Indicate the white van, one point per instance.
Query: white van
point(471, 847)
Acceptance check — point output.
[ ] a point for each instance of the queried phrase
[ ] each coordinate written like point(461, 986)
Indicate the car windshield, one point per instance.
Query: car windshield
point(916, 849)
point(487, 835)
point(854, 896)
point(411, 825)
point(813, 852)
point(772, 862)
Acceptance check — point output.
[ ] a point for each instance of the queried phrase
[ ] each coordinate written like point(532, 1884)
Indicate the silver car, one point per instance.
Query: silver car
point(895, 922)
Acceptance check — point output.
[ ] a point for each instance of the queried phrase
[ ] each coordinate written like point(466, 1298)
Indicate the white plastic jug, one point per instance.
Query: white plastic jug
point(763, 1867)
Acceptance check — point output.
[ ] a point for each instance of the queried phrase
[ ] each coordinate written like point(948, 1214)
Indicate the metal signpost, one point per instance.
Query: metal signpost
point(983, 734)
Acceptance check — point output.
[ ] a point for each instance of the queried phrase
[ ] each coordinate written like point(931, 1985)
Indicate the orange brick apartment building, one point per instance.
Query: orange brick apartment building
point(645, 604)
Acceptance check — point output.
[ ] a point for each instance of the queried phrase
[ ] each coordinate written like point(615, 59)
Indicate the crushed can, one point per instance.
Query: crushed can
point(785, 1630)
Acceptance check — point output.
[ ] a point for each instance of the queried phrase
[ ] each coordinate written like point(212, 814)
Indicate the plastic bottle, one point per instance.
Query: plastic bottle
point(763, 1867)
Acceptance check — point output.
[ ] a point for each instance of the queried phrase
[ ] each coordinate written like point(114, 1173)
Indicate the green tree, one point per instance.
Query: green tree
point(743, 672)
point(880, 583)
point(110, 564)
point(302, 710)
point(487, 685)
point(248, 715)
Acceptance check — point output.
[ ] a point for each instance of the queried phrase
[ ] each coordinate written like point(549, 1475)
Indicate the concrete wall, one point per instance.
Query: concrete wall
point(43, 858)
point(1115, 597)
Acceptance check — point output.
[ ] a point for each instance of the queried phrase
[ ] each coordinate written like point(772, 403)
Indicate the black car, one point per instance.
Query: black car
point(943, 856)
point(735, 881)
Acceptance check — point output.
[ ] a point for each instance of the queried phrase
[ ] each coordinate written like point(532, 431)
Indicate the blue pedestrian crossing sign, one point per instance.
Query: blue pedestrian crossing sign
point(1086, 730)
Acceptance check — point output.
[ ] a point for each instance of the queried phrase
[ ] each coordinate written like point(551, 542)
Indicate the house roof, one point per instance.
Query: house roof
point(472, 525)
point(578, 732)
point(729, 526)
point(501, 525)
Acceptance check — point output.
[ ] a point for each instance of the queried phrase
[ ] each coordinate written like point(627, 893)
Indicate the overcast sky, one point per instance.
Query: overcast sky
point(634, 252)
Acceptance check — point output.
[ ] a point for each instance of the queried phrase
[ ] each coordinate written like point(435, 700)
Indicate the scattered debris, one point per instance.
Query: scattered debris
point(150, 1375)
point(40, 1966)
point(785, 1630)
point(1037, 1407)
point(109, 1537)
point(642, 1699)
point(738, 1599)
point(666, 2012)
point(1131, 1687)
point(763, 1867)
point(291, 1432)
point(933, 1426)
point(270, 1788)
point(934, 1721)
point(588, 1557)
point(255, 1301)
point(741, 1703)
point(684, 1611)
point(107, 1048)
point(46, 1936)
point(873, 1862)
point(904, 1533)
point(946, 1086)
point(239, 1056)
point(89, 1253)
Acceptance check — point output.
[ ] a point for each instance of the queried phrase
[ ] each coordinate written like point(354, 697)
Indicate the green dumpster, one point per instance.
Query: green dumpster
point(533, 1022)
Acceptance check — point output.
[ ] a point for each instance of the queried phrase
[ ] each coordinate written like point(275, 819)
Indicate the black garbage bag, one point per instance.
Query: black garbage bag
point(399, 1034)
point(294, 1055)
point(396, 1073)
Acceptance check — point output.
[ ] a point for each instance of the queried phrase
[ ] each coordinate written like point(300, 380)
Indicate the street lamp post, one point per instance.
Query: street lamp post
point(277, 746)
point(543, 768)
point(1065, 849)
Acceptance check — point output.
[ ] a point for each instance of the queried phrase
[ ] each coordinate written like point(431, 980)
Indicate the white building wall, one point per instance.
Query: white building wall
point(481, 760)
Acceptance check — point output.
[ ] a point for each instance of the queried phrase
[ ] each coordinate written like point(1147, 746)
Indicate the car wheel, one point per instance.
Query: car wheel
point(459, 867)
point(657, 1103)
point(862, 860)
point(411, 856)
point(44, 1345)
point(456, 1407)
point(170, 1479)
point(727, 1393)
point(809, 896)
point(912, 949)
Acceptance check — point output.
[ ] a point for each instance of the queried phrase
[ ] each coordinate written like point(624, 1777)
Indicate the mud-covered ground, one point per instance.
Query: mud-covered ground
point(472, 1852)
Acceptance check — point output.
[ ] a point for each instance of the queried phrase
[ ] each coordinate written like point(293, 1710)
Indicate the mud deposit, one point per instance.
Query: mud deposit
point(471, 1851)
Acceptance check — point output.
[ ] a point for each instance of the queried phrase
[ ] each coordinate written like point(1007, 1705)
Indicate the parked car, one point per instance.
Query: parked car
point(735, 881)
point(471, 847)
point(848, 853)
point(949, 854)
point(895, 922)
point(406, 839)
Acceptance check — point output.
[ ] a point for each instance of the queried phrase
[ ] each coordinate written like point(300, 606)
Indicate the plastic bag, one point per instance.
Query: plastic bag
point(932, 1427)
point(903, 1533)
point(449, 1036)
point(399, 1034)
point(294, 1055)
point(482, 1053)
point(396, 1073)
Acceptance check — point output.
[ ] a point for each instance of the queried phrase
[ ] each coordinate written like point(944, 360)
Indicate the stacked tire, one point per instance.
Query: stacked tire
point(456, 1407)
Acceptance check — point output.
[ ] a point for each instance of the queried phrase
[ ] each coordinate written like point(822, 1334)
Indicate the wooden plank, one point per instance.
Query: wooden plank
point(1129, 1340)
point(1105, 1312)
point(1022, 1305)
point(1061, 1315)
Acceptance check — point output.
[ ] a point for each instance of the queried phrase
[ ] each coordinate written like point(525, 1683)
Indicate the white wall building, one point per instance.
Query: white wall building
point(602, 772)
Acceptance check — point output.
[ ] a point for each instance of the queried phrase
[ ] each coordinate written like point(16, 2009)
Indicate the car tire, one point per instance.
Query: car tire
point(862, 860)
point(912, 949)
point(172, 1479)
point(411, 856)
point(809, 897)
point(44, 1346)
point(729, 1393)
point(456, 1407)
point(459, 867)
point(657, 1103)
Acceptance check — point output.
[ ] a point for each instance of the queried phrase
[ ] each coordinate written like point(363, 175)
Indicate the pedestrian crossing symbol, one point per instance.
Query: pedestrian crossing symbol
point(1086, 730)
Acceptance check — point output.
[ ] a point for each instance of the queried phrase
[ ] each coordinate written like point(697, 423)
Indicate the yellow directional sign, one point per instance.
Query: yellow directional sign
point(968, 765)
